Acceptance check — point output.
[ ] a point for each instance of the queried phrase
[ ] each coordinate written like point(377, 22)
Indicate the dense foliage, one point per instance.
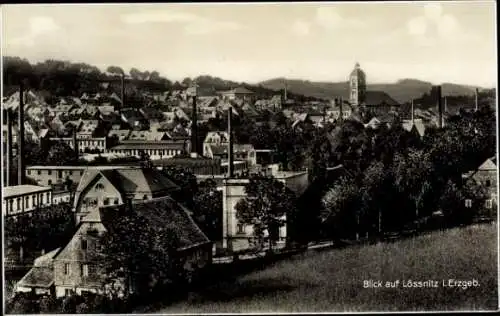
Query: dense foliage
point(395, 182)
point(267, 207)
point(44, 229)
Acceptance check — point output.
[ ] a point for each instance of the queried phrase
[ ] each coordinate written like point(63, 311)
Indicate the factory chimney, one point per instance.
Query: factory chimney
point(477, 99)
point(230, 152)
point(412, 113)
point(285, 97)
point(122, 92)
point(75, 145)
point(20, 138)
point(194, 126)
point(341, 114)
point(440, 106)
point(9, 148)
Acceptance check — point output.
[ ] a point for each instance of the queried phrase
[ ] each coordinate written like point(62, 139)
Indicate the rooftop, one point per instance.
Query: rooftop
point(17, 190)
point(162, 213)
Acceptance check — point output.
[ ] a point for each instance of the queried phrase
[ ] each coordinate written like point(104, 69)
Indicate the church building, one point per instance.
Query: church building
point(359, 97)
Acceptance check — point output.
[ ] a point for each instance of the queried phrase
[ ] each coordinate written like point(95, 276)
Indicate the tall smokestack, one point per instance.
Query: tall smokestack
point(230, 152)
point(412, 113)
point(477, 99)
point(194, 127)
point(341, 114)
point(122, 92)
point(9, 147)
point(285, 96)
point(440, 106)
point(445, 105)
point(75, 144)
point(20, 138)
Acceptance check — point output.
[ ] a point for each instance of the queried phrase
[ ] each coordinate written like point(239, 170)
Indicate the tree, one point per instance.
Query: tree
point(148, 260)
point(115, 70)
point(187, 182)
point(61, 154)
point(135, 73)
point(267, 204)
point(208, 209)
point(341, 209)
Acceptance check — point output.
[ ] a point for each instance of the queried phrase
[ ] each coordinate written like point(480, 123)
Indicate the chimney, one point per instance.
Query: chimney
point(477, 99)
point(20, 138)
point(412, 113)
point(341, 115)
point(445, 105)
point(440, 107)
point(230, 153)
point(75, 144)
point(285, 96)
point(122, 91)
point(9, 148)
point(194, 128)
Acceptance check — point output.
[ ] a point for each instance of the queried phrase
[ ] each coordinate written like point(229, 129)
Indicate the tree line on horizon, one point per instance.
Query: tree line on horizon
point(56, 78)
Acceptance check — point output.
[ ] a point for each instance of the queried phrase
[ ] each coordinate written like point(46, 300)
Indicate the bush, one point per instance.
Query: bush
point(83, 308)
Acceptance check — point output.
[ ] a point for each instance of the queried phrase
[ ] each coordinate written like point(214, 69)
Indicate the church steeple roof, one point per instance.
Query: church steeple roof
point(357, 70)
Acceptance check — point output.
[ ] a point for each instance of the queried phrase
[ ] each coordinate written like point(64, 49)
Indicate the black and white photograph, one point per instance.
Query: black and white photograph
point(249, 158)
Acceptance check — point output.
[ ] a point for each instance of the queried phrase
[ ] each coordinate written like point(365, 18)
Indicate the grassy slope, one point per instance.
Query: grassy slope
point(332, 281)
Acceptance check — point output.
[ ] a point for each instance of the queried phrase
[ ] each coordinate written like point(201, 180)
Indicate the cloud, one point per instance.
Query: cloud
point(193, 24)
point(301, 28)
point(433, 25)
point(329, 18)
point(38, 26)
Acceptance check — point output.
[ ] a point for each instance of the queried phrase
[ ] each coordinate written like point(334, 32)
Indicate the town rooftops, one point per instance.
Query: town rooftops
point(162, 213)
point(138, 145)
point(18, 190)
point(238, 90)
point(374, 98)
point(76, 167)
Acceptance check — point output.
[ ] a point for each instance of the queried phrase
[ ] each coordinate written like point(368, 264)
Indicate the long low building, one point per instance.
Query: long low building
point(51, 175)
point(155, 149)
point(20, 199)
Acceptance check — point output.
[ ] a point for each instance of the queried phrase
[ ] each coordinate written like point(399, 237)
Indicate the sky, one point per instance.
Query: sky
point(431, 41)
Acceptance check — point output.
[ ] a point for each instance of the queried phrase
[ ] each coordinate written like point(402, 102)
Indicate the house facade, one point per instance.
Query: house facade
point(23, 199)
point(77, 267)
point(486, 177)
point(237, 236)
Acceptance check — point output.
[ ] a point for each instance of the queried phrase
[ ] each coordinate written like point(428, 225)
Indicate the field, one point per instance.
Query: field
point(332, 281)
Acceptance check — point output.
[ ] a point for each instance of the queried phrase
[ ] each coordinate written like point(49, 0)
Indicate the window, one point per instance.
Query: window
point(70, 172)
point(488, 203)
point(49, 182)
point(116, 201)
point(39, 172)
point(468, 203)
point(81, 173)
point(241, 228)
point(66, 269)
point(18, 203)
point(67, 292)
point(488, 183)
point(29, 172)
point(48, 197)
point(33, 201)
point(27, 202)
point(85, 270)
point(59, 174)
point(99, 186)
point(83, 244)
point(41, 199)
point(106, 201)
point(145, 197)
point(49, 172)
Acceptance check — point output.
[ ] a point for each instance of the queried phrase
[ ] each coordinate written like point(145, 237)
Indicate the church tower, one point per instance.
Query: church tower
point(357, 86)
